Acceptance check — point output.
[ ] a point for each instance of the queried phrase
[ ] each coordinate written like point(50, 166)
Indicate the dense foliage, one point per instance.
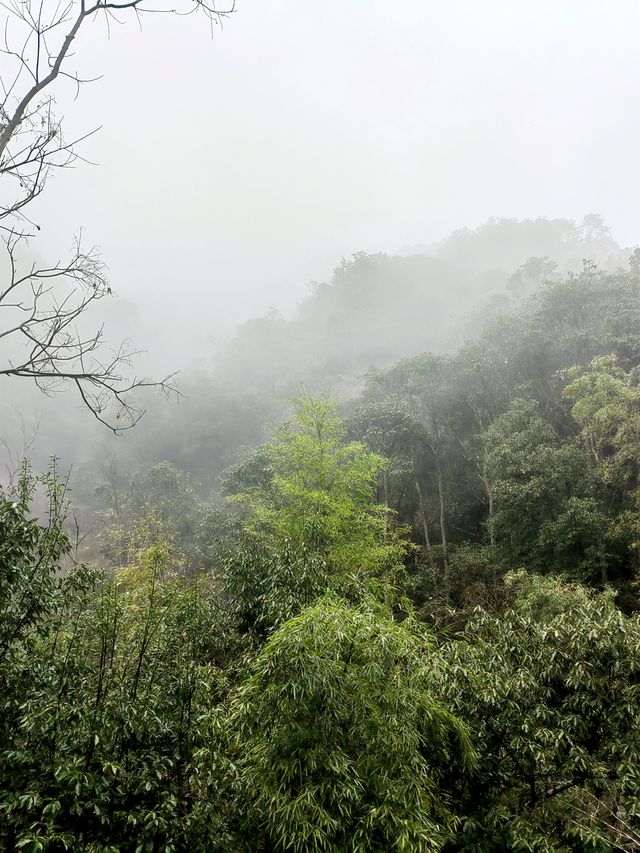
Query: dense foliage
point(341, 745)
point(550, 691)
point(408, 621)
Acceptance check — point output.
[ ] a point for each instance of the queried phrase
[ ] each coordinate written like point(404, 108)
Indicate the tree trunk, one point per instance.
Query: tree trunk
point(604, 576)
point(423, 515)
point(443, 528)
point(489, 493)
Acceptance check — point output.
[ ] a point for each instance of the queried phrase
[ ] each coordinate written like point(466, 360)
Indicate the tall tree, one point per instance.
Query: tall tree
point(550, 692)
point(425, 384)
point(320, 493)
point(339, 745)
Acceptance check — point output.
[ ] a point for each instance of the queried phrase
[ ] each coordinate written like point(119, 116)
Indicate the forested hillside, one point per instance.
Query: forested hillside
point(401, 620)
point(375, 310)
point(319, 513)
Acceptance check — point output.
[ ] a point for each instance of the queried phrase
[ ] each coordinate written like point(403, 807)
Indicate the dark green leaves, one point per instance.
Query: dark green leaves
point(340, 744)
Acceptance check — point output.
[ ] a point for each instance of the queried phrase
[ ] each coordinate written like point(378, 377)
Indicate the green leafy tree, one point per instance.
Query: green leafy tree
point(103, 753)
point(30, 554)
point(547, 512)
point(551, 693)
point(532, 274)
point(266, 587)
point(159, 504)
point(109, 691)
point(339, 745)
point(425, 384)
point(321, 495)
point(390, 428)
point(33, 591)
point(606, 406)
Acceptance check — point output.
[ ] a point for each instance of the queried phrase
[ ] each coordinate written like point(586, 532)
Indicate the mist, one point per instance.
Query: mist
point(233, 167)
point(233, 170)
point(319, 426)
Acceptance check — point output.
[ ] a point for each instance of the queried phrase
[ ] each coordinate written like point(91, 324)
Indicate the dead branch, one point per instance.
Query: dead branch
point(43, 308)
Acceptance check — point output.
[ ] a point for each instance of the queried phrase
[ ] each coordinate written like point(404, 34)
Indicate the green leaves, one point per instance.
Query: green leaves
point(108, 689)
point(287, 702)
point(267, 587)
point(551, 694)
point(606, 406)
point(548, 507)
point(30, 591)
point(320, 495)
point(339, 744)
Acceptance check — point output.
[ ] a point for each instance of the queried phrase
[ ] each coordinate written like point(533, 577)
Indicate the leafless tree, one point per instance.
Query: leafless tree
point(43, 308)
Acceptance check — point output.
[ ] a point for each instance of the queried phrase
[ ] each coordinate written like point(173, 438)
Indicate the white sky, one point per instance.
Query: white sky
point(233, 171)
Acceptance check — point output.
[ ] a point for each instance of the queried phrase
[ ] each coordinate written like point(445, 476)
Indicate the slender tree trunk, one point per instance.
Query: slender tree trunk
point(423, 515)
point(592, 446)
point(385, 491)
point(443, 527)
point(604, 576)
point(443, 523)
point(489, 493)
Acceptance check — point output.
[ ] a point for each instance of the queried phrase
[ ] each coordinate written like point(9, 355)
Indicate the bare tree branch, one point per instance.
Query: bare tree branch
point(43, 310)
point(622, 828)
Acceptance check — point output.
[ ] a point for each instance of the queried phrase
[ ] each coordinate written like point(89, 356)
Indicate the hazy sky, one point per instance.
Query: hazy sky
point(234, 170)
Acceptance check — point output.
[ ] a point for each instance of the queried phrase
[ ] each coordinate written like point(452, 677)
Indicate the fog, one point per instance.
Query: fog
point(233, 170)
point(233, 167)
point(319, 426)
